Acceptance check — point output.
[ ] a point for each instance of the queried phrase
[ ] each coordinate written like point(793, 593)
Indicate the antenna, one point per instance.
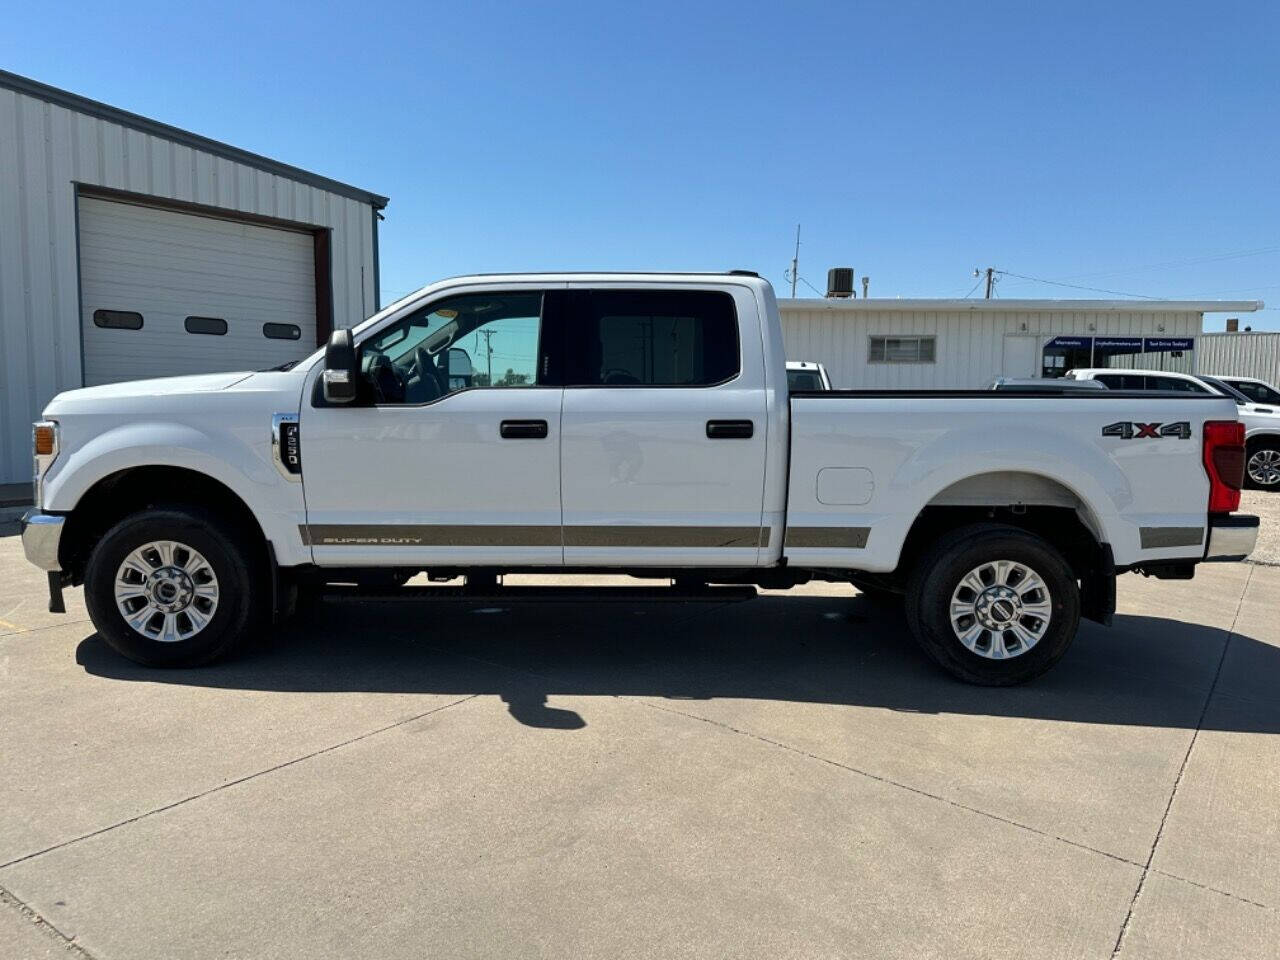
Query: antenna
point(795, 264)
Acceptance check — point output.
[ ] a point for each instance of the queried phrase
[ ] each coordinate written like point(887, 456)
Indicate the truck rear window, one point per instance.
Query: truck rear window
point(654, 338)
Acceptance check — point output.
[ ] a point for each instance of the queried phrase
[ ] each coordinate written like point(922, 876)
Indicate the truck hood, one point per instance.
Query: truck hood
point(93, 398)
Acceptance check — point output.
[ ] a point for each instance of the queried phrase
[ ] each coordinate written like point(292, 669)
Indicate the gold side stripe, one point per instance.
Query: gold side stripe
point(828, 538)
point(665, 536)
point(497, 535)
point(1153, 538)
point(428, 535)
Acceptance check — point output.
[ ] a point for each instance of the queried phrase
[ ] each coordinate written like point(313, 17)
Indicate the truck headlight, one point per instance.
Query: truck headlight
point(44, 446)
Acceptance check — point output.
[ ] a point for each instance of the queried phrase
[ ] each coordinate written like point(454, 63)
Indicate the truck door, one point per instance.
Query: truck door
point(663, 427)
point(452, 453)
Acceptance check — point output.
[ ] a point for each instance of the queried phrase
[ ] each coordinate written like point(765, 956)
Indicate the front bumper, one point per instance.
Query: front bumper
point(1231, 536)
point(41, 535)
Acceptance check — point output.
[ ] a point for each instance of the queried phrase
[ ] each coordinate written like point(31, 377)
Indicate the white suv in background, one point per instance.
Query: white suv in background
point(1259, 391)
point(1261, 423)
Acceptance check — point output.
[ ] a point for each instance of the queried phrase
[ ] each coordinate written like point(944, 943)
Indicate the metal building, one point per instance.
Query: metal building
point(964, 344)
point(129, 248)
point(1250, 354)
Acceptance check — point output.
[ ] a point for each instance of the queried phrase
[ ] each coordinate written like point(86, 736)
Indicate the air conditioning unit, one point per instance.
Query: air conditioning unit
point(840, 282)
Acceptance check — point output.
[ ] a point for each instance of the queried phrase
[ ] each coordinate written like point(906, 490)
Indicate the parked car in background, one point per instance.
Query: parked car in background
point(641, 426)
point(803, 375)
point(1261, 423)
point(1259, 391)
point(1045, 384)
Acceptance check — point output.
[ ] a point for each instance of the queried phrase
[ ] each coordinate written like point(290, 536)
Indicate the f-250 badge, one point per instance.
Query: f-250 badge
point(1127, 430)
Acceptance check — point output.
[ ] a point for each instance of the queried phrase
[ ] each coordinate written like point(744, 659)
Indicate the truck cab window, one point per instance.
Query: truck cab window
point(653, 338)
point(462, 342)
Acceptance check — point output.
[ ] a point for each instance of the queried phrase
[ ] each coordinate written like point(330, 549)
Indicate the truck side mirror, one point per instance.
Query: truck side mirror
point(341, 376)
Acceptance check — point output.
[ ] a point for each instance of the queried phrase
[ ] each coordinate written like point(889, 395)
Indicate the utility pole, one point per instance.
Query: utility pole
point(990, 280)
point(488, 350)
point(795, 264)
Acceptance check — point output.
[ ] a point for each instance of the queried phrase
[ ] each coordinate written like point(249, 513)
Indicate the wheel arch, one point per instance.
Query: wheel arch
point(127, 491)
point(1034, 502)
point(1015, 489)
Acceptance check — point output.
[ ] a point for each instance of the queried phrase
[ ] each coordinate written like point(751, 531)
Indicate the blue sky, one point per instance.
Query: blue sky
point(1133, 147)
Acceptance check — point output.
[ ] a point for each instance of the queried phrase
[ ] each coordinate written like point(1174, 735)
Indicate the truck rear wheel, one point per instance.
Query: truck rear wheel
point(993, 604)
point(173, 587)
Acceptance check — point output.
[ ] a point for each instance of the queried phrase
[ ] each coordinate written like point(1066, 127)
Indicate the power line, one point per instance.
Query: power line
point(1076, 286)
point(1169, 264)
point(812, 287)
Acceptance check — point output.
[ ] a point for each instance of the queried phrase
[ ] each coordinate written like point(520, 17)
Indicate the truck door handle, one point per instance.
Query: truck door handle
point(523, 429)
point(730, 429)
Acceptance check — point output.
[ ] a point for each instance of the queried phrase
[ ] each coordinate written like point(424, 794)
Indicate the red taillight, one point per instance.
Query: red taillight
point(1224, 463)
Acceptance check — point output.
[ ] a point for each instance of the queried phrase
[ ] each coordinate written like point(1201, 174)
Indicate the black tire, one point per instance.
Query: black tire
point(1263, 447)
point(938, 574)
point(242, 593)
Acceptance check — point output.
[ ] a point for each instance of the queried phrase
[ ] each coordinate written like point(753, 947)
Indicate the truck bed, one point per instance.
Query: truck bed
point(865, 463)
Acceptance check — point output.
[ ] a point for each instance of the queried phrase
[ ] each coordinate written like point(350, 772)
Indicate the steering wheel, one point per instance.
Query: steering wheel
point(429, 375)
point(385, 380)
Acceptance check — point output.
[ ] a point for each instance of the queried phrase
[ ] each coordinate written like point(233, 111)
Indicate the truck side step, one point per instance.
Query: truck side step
point(540, 594)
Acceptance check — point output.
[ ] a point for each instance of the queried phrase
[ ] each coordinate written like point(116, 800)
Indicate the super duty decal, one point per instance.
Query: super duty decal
point(1130, 430)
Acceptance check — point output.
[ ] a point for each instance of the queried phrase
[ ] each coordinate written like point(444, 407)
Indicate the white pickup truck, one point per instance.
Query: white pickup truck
point(633, 423)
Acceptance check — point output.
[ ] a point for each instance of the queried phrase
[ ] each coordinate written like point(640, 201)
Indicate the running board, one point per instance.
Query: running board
point(536, 594)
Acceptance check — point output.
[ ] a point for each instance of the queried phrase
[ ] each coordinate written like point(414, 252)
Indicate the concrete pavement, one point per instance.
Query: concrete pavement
point(780, 777)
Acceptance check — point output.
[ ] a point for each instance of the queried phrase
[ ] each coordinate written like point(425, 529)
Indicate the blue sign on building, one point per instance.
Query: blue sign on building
point(1164, 344)
point(1073, 342)
point(1118, 344)
point(1124, 344)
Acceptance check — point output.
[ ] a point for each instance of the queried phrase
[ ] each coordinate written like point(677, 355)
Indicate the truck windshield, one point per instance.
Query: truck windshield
point(1226, 388)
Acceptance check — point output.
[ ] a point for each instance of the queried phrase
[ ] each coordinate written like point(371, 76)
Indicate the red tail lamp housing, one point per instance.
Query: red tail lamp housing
point(1224, 463)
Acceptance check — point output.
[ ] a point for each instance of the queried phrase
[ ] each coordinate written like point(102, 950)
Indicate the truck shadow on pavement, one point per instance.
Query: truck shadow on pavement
point(848, 651)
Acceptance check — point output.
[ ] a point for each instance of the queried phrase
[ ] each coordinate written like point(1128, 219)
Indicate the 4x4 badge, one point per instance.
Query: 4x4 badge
point(1130, 430)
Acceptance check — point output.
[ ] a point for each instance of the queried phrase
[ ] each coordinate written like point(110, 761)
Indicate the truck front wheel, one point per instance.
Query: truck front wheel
point(173, 587)
point(993, 604)
point(1262, 469)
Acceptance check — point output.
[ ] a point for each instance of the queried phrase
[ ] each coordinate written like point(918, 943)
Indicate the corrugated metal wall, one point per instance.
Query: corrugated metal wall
point(1241, 354)
point(45, 149)
point(970, 344)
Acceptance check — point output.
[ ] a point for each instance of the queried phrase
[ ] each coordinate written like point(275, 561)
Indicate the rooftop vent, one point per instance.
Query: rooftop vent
point(840, 282)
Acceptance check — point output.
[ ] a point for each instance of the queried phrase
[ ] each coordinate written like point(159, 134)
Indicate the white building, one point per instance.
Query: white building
point(129, 248)
point(963, 344)
point(1249, 354)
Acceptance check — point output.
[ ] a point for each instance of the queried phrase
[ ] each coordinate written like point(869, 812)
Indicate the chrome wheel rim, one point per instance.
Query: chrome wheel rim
point(1001, 609)
point(166, 591)
point(1264, 467)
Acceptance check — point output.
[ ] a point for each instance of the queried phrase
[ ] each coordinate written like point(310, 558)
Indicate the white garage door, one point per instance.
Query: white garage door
point(166, 293)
